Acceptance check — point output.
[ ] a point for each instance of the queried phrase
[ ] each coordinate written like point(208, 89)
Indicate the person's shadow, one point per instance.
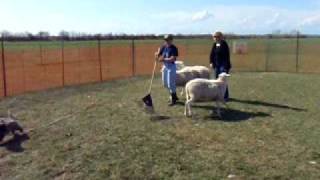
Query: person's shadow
point(15, 144)
point(267, 104)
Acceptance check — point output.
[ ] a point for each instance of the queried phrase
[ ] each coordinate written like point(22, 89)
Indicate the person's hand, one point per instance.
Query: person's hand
point(156, 54)
point(160, 59)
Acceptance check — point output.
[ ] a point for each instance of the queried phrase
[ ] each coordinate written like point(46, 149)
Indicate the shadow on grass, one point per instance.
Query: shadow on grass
point(154, 116)
point(15, 144)
point(260, 103)
point(157, 117)
point(232, 115)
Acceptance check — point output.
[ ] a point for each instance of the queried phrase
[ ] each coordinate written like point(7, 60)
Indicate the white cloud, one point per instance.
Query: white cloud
point(232, 18)
point(313, 20)
point(275, 19)
point(201, 16)
point(184, 16)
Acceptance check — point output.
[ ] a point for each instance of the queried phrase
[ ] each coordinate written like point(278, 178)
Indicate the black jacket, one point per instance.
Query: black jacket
point(220, 55)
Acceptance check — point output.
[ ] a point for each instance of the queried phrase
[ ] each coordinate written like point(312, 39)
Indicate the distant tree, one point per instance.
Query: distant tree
point(294, 32)
point(30, 36)
point(276, 32)
point(6, 33)
point(64, 33)
point(43, 35)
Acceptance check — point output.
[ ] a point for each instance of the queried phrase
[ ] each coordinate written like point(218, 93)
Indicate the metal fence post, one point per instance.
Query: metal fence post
point(268, 53)
point(3, 68)
point(41, 53)
point(100, 59)
point(133, 57)
point(62, 59)
point(297, 52)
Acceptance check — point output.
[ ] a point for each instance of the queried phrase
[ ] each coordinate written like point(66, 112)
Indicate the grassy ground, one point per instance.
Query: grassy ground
point(270, 131)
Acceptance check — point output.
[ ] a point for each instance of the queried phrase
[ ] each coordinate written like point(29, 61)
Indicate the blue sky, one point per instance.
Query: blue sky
point(157, 17)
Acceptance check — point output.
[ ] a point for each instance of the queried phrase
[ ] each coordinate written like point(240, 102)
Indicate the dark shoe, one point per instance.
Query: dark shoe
point(174, 96)
point(174, 99)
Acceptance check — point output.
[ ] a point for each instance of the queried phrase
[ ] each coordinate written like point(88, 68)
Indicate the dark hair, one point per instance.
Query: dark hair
point(168, 37)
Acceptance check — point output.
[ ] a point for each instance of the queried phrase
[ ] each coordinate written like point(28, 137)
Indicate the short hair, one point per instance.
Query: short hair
point(217, 34)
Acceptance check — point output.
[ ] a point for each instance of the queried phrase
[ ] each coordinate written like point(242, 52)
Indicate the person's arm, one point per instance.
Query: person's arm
point(159, 51)
point(227, 51)
point(212, 57)
point(171, 59)
point(158, 54)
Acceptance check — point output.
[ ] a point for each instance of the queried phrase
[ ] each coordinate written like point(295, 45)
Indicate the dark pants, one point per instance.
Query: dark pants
point(219, 70)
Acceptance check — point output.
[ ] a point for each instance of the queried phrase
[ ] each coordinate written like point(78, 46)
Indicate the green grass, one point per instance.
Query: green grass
point(269, 131)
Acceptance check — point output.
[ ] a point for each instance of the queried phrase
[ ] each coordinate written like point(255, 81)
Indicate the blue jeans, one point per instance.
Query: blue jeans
point(169, 77)
point(219, 70)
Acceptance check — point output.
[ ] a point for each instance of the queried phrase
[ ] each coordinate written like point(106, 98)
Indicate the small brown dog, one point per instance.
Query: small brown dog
point(9, 124)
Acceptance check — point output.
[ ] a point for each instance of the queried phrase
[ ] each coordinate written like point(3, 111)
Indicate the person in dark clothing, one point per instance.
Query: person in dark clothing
point(220, 57)
point(168, 54)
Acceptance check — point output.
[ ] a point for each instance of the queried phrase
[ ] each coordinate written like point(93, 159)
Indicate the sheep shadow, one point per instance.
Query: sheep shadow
point(232, 115)
point(157, 118)
point(267, 104)
point(15, 144)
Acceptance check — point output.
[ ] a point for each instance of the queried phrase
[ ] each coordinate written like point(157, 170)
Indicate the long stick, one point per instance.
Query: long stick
point(70, 115)
point(50, 124)
point(153, 72)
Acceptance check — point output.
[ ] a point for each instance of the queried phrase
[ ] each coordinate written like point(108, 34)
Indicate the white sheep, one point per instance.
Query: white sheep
point(189, 73)
point(179, 65)
point(202, 90)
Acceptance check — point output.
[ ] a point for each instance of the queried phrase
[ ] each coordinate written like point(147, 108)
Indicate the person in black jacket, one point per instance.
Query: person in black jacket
point(220, 57)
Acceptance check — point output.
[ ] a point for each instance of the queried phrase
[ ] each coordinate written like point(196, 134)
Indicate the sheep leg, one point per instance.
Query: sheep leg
point(182, 91)
point(188, 111)
point(218, 109)
point(225, 103)
point(189, 106)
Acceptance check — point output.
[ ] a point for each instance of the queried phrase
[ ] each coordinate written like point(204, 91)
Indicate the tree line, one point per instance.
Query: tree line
point(74, 36)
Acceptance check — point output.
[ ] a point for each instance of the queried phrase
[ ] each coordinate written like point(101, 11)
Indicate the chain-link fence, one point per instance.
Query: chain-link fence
point(39, 65)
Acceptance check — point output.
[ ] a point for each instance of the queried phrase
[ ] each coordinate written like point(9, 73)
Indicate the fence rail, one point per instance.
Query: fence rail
point(39, 65)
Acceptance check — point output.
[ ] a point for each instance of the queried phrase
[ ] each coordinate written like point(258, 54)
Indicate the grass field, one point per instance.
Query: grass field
point(269, 131)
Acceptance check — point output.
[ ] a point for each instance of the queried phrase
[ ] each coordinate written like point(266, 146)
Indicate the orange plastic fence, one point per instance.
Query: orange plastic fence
point(116, 62)
point(1, 75)
point(80, 65)
point(44, 67)
point(39, 68)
